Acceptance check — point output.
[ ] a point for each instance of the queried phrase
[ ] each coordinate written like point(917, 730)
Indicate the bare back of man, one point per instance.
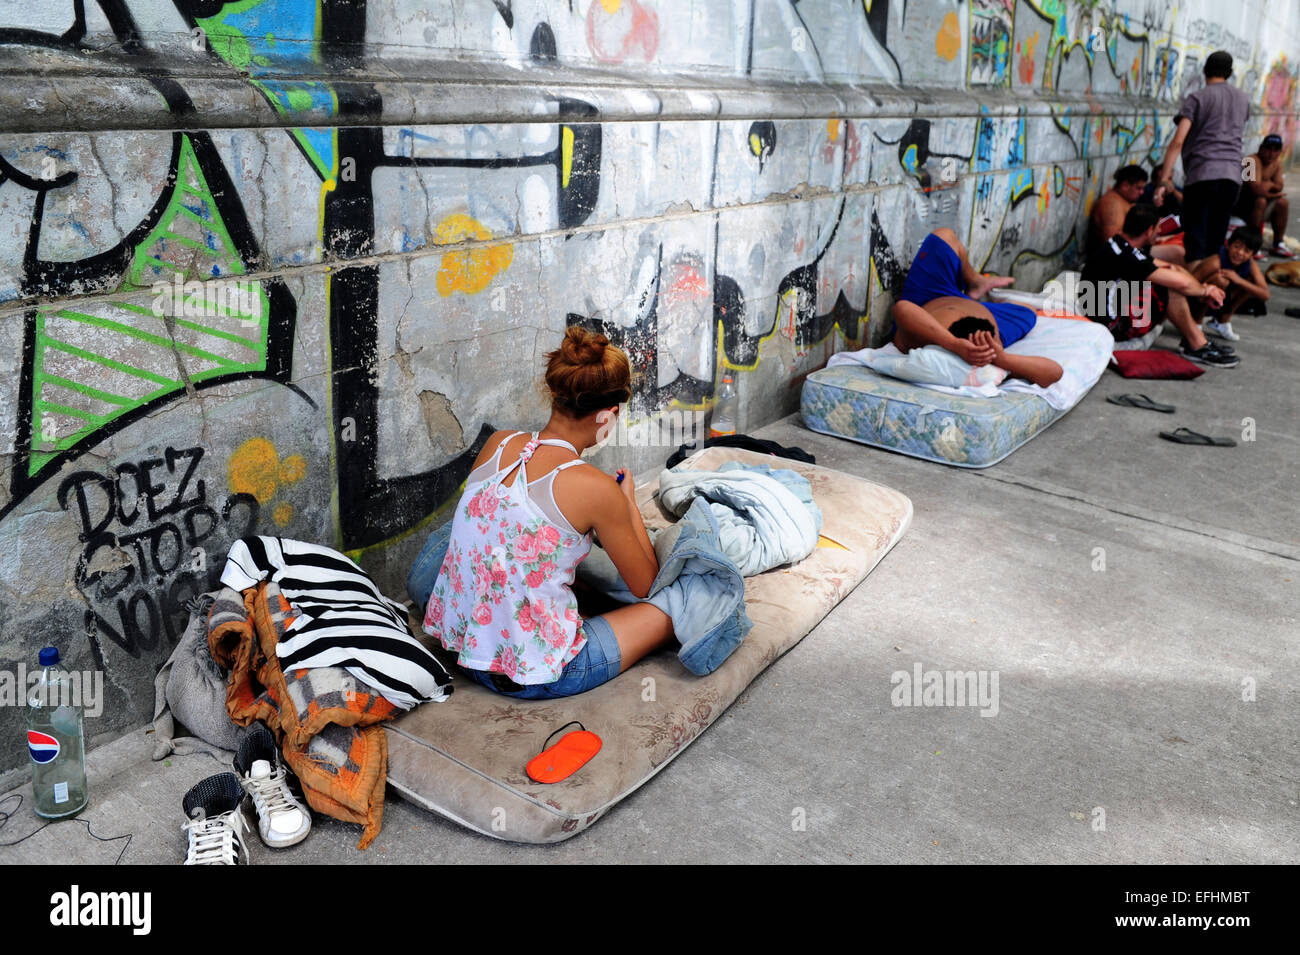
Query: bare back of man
point(1107, 218)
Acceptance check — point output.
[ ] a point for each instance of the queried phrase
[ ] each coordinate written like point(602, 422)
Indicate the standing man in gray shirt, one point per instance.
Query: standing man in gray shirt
point(1210, 125)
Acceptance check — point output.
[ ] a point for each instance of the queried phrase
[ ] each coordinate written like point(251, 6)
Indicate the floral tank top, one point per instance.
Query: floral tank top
point(503, 600)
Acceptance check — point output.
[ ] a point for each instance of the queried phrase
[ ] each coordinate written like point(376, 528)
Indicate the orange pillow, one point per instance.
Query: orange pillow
point(570, 754)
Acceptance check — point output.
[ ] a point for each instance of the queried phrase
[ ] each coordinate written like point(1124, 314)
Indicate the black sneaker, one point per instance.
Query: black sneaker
point(216, 827)
point(1209, 354)
point(1220, 346)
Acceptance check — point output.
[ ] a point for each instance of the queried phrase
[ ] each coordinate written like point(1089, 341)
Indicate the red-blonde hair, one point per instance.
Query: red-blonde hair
point(586, 373)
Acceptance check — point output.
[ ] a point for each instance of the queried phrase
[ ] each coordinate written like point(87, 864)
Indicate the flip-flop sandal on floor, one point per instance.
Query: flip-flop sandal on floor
point(1140, 401)
point(1188, 436)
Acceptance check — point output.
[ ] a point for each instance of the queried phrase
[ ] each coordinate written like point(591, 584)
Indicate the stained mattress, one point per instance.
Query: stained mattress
point(850, 401)
point(464, 758)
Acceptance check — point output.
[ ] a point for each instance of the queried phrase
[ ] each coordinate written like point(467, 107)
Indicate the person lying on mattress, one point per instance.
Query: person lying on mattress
point(939, 305)
point(503, 600)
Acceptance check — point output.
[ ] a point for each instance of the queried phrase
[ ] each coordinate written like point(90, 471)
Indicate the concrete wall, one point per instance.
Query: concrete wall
point(414, 199)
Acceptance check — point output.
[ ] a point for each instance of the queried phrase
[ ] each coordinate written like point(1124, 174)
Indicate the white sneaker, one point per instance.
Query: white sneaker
point(1223, 331)
point(281, 820)
point(216, 829)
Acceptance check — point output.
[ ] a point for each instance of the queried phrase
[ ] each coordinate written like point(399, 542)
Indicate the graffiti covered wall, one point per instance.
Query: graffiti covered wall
point(279, 266)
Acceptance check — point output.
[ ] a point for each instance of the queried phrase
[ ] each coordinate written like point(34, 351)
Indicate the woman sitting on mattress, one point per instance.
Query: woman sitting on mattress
point(503, 599)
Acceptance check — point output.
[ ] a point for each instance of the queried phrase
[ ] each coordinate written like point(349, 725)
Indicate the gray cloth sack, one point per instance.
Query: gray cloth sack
point(191, 688)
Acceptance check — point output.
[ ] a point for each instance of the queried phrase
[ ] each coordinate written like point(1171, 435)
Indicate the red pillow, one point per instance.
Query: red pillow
point(1155, 364)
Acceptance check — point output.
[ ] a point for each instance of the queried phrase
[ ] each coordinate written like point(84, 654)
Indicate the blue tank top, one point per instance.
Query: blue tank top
point(1225, 263)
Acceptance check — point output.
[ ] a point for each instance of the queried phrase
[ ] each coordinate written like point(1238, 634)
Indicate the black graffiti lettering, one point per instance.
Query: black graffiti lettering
point(154, 536)
point(144, 576)
point(149, 490)
point(175, 616)
point(76, 483)
point(192, 536)
point(169, 532)
point(194, 456)
point(97, 624)
point(134, 541)
point(248, 501)
point(145, 638)
point(122, 498)
point(105, 588)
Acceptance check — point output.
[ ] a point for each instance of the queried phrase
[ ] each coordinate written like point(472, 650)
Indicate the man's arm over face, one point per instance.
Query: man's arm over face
point(917, 328)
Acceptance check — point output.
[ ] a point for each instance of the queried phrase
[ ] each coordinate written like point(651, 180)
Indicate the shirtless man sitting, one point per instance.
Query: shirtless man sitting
point(939, 305)
point(1108, 212)
point(1263, 195)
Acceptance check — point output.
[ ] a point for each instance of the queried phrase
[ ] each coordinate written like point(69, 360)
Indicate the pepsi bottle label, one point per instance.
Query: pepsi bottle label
point(43, 747)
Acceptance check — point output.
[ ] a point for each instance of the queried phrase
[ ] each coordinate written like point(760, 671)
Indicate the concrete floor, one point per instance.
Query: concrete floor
point(1120, 690)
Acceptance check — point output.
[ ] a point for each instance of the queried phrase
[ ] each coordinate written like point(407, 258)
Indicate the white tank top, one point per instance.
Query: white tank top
point(503, 600)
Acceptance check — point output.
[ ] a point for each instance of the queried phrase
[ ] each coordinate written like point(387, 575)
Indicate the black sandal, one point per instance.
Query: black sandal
point(1140, 401)
point(1188, 436)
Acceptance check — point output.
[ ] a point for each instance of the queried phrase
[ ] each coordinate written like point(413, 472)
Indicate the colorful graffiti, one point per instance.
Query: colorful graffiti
point(1279, 98)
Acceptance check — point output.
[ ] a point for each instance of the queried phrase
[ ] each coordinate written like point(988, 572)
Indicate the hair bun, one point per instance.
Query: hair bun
point(583, 347)
point(586, 367)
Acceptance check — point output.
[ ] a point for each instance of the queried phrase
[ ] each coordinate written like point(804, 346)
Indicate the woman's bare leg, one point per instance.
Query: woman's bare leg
point(639, 629)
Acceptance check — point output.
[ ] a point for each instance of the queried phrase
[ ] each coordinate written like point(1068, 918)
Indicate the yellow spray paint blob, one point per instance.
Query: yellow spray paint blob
point(947, 41)
point(255, 468)
point(468, 270)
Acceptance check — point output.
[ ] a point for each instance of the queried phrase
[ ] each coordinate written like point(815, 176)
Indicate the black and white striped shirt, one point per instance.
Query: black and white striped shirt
point(344, 620)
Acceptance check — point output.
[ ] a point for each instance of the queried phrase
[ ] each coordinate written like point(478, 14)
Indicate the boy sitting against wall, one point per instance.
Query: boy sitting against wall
point(1233, 270)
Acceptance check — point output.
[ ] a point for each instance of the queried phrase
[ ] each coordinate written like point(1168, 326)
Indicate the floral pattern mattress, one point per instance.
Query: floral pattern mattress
point(465, 758)
point(854, 402)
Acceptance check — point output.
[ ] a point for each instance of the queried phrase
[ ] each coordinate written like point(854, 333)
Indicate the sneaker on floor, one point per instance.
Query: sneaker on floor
point(1222, 330)
point(216, 828)
point(1281, 251)
point(282, 820)
point(1209, 354)
point(1219, 346)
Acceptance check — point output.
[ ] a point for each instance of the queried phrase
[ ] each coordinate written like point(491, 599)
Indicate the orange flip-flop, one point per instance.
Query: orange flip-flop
point(570, 754)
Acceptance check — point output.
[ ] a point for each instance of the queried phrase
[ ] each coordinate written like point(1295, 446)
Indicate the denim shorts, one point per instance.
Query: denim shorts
point(596, 663)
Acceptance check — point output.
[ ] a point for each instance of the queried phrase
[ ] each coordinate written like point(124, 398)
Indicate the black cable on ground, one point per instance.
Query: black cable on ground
point(5, 815)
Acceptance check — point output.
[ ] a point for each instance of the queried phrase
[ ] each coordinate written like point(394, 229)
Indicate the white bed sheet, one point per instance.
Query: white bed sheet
point(1081, 348)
